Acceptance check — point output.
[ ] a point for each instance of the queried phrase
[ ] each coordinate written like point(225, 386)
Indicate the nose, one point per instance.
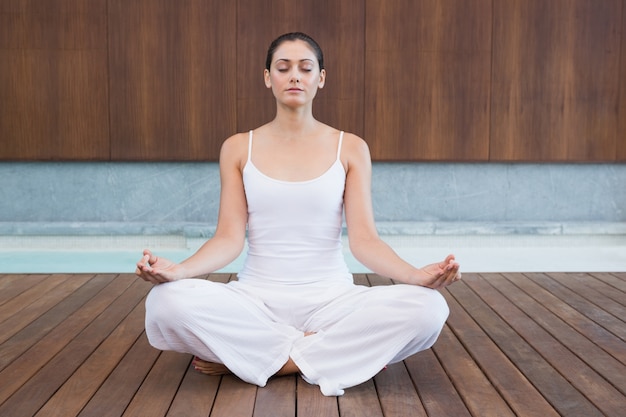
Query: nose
point(295, 77)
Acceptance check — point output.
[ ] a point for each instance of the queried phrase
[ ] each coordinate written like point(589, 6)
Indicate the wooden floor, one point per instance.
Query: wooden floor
point(515, 344)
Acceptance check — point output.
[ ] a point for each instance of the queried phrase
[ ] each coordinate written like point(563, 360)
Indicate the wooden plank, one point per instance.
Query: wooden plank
point(74, 394)
point(53, 24)
point(235, 398)
point(517, 391)
point(620, 275)
point(555, 80)
point(44, 302)
point(360, 401)
point(582, 303)
point(31, 334)
point(485, 350)
point(436, 391)
point(375, 280)
point(591, 282)
point(586, 380)
point(172, 79)
point(473, 386)
point(53, 78)
point(611, 279)
point(14, 284)
point(621, 133)
point(361, 279)
point(311, 403)
point(587, 327)
point(552, 385)
point(596, 358)
point(123, 382)
point(196, 395)
point(157, 390)
point(396, 392)
point(37, 390)
point(277, 398)
point(18, 372)
point(223, 278)
point(427, 82)
point(25, 298)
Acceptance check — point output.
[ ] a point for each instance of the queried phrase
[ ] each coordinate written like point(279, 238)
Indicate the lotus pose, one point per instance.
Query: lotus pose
point(294, 307)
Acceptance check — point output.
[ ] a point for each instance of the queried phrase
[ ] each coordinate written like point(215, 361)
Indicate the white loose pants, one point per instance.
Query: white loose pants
point(254, 329)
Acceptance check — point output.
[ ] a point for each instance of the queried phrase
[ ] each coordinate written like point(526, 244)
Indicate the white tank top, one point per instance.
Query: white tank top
point(294, 227)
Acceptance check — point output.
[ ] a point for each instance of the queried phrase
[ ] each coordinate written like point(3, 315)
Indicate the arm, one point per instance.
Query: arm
point(365, 244)
point(228, 240)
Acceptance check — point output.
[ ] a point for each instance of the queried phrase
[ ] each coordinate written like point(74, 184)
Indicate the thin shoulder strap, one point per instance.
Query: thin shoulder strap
point(339, 146)
point(250, 146)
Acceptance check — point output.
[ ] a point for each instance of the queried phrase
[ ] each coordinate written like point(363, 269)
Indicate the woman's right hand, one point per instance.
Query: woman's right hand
point(157, 270)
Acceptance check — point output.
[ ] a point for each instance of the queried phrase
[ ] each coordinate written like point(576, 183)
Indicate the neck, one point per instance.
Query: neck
point(294, 122)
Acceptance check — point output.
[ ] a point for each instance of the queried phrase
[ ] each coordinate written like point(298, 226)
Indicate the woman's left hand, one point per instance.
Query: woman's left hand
point(440, 274)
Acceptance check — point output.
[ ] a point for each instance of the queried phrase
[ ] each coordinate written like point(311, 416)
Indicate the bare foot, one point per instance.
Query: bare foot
point(209, 368)
point(214, 368)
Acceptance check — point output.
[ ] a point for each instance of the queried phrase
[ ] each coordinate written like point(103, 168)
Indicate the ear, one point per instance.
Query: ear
point(266, 77)
point(322, 79)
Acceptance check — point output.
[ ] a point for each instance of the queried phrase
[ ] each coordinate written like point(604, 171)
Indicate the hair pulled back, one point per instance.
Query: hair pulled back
point(290, 37)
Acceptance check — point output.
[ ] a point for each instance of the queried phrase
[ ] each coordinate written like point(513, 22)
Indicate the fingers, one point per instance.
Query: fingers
point(144, 268)
point(450, 273)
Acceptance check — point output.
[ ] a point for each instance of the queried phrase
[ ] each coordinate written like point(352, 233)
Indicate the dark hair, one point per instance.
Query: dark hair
point(294, 36)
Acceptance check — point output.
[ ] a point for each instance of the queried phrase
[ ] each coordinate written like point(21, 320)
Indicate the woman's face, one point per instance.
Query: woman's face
point(294, 75)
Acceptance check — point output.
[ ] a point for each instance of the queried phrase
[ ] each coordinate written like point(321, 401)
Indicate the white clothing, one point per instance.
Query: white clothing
point(294, 225)
point(294, 281)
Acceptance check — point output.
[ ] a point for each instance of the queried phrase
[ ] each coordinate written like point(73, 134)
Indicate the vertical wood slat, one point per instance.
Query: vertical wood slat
point(184, 76)
point(53, 80)
point(171, 81)
point(555, 80)
point(427, 80)
point(336, 26)
point(621, 132)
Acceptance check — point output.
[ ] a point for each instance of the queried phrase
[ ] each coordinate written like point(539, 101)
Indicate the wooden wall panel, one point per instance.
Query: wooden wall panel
point(427, 80)
point(621, 133)
point(336, 25)
point(555, 80)
point(53, 80)
point(172, 82)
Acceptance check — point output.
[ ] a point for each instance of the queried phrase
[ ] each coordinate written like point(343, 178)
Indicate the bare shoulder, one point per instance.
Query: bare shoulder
point(355, 151)
point(235, 149)
point(355, 143)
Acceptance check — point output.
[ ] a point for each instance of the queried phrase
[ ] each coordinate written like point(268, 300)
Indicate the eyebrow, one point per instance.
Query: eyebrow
point(289, 60)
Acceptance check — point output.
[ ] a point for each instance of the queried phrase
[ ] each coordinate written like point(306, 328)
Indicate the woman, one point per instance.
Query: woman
point(294, 307)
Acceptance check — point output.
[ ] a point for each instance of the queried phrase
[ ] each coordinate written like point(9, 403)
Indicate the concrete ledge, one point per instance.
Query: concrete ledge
point(200, 230)
point(190, 230)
